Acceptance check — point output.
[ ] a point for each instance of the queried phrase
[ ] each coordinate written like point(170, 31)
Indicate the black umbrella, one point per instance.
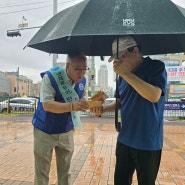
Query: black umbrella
point(92, 25)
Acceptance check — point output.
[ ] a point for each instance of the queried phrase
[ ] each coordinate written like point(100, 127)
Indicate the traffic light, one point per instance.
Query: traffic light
point(13, 33)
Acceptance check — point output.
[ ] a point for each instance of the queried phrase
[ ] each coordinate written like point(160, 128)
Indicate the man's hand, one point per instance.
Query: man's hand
point(80, 105)
point(120, 67)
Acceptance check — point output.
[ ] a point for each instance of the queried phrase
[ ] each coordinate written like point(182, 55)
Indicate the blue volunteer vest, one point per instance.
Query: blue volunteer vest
point(53, 123)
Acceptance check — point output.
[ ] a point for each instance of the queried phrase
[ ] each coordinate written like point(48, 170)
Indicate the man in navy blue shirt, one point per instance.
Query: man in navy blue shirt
point(141, 97)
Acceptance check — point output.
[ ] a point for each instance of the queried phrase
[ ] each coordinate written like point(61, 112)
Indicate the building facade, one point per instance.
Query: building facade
point(5, 85)
point(15, 85)
point(103, 77)
point(175, 88)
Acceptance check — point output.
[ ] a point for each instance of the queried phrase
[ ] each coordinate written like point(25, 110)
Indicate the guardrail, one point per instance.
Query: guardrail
point(172, 110)
point(18, 106)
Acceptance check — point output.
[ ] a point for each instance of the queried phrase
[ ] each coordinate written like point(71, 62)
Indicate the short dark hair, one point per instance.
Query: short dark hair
point(75, 54)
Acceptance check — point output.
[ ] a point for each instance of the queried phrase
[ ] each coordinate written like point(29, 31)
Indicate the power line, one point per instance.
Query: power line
point(17, 2)
point(16, 5)
point(30, 9)
point(13, 3)
point(4, 13)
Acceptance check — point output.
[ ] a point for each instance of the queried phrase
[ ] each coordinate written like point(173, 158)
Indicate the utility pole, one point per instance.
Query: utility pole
point(55, 4)
point(17, 79)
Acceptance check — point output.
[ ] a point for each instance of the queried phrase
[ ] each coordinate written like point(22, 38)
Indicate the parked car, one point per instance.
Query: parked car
point(18, 104)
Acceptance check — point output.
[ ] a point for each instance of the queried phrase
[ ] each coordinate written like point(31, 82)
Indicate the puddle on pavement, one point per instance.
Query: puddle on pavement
point(11, 131)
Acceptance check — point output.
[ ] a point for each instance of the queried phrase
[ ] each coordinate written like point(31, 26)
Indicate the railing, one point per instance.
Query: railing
point(106, 114)
point(175, 110)
point(172, 110)
point(168, 114)
point(18, 106)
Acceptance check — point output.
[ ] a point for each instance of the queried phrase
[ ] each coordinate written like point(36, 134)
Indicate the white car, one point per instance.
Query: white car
point(18, 104)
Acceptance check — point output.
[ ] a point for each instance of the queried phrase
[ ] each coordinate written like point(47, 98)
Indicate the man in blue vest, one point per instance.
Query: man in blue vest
point(61, 96)
point(141, 97)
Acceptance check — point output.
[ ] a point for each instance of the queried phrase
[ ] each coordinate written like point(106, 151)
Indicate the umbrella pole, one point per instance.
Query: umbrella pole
point(117, 123)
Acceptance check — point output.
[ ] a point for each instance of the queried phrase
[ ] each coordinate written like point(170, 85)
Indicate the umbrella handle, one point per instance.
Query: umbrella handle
point(117, 123)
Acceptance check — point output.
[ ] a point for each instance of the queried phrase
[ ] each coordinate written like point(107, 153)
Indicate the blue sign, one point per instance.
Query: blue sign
point(174, 106)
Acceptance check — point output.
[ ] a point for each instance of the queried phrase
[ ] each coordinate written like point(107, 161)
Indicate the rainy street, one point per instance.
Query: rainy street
point(93, 160)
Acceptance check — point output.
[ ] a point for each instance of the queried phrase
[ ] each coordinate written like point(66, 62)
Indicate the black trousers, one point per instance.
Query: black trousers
point(146, 164)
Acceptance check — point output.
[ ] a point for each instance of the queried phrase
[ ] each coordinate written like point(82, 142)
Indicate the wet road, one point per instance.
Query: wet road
point(93, 160)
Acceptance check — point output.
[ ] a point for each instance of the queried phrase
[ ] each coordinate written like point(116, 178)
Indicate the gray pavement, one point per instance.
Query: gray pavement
point(94, 156)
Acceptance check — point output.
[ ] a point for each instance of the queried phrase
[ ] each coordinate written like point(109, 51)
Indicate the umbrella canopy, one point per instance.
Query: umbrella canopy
point(92, 25)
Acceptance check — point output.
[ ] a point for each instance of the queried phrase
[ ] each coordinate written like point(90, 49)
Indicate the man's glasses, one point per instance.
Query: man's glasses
point(79, 69)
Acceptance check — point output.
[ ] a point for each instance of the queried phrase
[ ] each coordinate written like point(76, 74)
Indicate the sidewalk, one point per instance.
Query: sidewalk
point(93, 160)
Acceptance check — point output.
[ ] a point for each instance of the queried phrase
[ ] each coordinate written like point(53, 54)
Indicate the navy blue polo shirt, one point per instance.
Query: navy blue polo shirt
point(142, 120)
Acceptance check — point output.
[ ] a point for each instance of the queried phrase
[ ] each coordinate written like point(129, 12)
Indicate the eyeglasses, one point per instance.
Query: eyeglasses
point(79, 69)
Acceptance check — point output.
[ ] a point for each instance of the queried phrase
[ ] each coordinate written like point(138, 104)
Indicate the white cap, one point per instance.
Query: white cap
point(124, 43)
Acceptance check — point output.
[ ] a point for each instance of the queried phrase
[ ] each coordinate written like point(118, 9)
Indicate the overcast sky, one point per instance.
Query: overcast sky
point(31, 61)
